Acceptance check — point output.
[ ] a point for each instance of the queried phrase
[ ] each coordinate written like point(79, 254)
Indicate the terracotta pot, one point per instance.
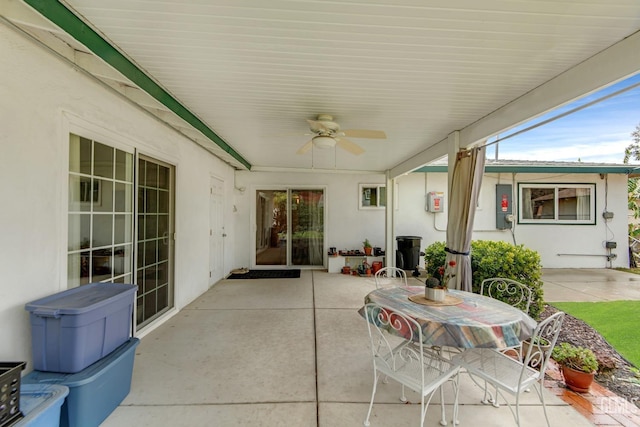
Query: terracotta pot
point(375, 266)
point(577, 380)
point(367, 251)
point(543, 347)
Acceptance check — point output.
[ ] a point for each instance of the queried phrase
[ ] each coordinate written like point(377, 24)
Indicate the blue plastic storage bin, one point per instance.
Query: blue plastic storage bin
point(41, 404)
point(72, 329)
point(95, 392)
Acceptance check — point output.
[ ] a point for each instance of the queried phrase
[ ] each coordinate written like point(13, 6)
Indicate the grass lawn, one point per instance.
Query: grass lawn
point(616, 321)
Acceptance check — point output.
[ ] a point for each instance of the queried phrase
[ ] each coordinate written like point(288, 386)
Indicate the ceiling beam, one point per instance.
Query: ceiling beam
point(436, 151)
point(572, 168)
point(611, 65)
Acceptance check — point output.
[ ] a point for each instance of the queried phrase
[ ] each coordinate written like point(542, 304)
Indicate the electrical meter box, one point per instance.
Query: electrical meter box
point(435, 202)
point(504, 207)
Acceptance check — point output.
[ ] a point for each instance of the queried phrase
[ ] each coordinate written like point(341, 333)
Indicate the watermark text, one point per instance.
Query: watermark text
point(617, 405)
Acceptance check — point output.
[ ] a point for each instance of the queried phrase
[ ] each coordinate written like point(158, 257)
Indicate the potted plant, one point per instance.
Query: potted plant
point(434, 290)
point(367, 247)
point(578, 364)
point(541, 346)
point(367, 268)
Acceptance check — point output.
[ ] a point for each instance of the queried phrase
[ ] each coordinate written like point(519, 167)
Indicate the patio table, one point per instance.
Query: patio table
point(477, 321)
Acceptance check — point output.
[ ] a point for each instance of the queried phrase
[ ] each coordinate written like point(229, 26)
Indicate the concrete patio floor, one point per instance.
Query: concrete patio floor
point(294, 352)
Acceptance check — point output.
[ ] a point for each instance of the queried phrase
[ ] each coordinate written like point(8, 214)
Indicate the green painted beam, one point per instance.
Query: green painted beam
point(626, 170)
point(57, 13)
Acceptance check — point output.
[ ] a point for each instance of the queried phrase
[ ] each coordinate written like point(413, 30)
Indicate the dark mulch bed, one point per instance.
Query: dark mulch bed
point(615, 371)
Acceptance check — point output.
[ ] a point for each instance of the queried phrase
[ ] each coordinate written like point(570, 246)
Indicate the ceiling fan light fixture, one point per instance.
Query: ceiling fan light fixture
point(324, 141)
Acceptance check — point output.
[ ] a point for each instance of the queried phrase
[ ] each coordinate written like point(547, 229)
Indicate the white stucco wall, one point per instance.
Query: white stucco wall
point(347, 225)
point(42, 98)
point(553, 242)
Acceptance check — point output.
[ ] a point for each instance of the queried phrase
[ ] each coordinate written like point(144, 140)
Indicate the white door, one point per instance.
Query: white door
point(216, 231)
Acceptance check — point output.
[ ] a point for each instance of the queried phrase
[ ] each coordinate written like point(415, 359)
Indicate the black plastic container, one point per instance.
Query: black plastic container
point(408, 256)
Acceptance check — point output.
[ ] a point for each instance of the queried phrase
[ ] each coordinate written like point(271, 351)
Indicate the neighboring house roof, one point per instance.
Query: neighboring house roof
point(535, 166)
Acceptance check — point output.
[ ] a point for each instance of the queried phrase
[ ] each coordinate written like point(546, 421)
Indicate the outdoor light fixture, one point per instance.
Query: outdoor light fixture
point(324, 142)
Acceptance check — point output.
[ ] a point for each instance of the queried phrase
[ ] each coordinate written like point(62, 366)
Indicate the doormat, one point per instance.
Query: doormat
point(267, 274)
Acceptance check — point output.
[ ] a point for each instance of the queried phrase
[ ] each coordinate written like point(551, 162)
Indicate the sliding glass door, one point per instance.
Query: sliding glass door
point(307, 227)
point(272, 225)
point(289, 227)
point(154, 268)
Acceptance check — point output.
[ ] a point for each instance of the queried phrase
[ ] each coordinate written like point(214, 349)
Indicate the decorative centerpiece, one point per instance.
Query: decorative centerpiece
point(436, 288)
point(433, 291)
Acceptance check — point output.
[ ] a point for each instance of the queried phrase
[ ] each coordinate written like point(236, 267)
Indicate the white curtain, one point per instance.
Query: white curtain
point(583, 205)
point(526, 205)
point(463, 199)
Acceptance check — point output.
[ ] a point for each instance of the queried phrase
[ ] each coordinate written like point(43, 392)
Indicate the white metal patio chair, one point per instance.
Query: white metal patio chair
point(511, 375)
point(390, 276)
point(509, 291)
point(398, 353)
point(515, 294)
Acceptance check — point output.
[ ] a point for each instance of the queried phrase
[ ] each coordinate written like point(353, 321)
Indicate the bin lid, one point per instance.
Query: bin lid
point(88, 374)
point(408, 238)
point(36, 399)
point(79, 300)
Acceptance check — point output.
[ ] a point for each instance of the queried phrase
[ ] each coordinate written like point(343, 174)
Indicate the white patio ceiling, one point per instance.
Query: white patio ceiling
point(253, 71)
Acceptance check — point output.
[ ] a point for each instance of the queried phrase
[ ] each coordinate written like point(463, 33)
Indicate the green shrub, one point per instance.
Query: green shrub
point(497, 259)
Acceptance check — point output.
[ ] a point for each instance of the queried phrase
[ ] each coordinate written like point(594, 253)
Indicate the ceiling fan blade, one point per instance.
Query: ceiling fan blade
point(349, 146)
point(365, 133)
point(290, 134)
point(306, 147)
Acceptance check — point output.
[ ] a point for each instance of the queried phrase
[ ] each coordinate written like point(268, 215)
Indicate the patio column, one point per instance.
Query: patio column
point(389, 238)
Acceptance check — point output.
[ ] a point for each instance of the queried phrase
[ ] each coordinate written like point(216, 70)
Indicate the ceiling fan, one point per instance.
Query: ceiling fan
point(327, 134)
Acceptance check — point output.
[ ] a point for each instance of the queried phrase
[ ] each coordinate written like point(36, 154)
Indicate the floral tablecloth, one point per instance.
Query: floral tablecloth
point(478, 321)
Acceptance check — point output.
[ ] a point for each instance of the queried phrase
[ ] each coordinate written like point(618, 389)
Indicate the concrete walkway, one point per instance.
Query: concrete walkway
point(573, 284)
point(294, 352)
